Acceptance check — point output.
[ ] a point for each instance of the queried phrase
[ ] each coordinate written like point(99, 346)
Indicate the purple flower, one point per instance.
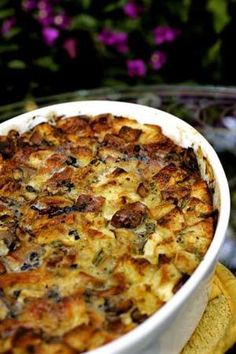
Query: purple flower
point(43, 4)
point(107, 37)
point(136, 67)
point(50, 35)
point(164, 34)
point(29, 5)
point(118, 40)
point(70, 46)
point(45, 13)
point(131, 9)
point(157, 60)
point(7, 25)
point(120, 44)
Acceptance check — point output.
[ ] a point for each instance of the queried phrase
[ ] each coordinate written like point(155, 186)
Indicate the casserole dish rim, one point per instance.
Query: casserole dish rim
point(132, 110)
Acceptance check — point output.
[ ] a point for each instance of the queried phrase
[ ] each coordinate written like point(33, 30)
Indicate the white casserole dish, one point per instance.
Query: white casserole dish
point(168, 329)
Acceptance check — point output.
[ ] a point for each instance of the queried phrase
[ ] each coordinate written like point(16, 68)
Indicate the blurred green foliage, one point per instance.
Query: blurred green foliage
point(48, 47)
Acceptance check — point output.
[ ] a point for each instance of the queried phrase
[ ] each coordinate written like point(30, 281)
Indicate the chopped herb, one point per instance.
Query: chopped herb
point(137, 148)
point(98, 257)
point(74, 266)
point(88, 293)
point(72, 161)
point(75, 234)
point(54, 295)
point(144, 159)
point(150, 227)
point(30, 189)
point(25, 266)
point(68, 184)
point(82, 207)
point(16, 293)
point(172, 156)
point(179, 239)
point(34, 256)
point(183, 203)
point(12, 313)
point(13, 246)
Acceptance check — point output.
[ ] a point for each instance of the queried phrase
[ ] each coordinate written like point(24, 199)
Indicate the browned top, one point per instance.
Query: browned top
point(102, 219)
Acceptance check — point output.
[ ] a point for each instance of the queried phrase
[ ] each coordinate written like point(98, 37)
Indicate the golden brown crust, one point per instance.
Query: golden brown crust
point(102, 219)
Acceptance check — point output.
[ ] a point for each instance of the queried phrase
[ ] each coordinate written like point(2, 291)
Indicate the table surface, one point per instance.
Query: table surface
point(211, 110)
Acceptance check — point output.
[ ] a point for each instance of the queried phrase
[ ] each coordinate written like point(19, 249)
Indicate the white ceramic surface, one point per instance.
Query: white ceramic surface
point(168, 329)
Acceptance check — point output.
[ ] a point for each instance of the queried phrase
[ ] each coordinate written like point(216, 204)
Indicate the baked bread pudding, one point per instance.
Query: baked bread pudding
point(102, 220)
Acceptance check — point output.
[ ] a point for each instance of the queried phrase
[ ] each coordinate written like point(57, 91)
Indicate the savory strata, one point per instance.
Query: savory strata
point(102, 219)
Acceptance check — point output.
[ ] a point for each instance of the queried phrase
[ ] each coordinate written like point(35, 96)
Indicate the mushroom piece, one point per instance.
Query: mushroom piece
point(7, 242)
point(89, 203)
point(130, 216)
point(142, 190)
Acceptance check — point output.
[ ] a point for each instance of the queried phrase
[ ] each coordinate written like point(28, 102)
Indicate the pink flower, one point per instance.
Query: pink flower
point(118, 40)
point(70, 46)
point(157, 60)
point(50, 35)
point(29, 5)
point(136, 67)
point(61, 20)
point(44, 4)
point(131, 9)
point(164, 34)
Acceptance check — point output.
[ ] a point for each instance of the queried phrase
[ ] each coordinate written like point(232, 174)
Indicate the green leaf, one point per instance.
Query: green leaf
point(133, 25)
point(85, 4)
point(98, 258)
point(12, 32)
point(6, 13)
point(111, 82)
point(16, 64)
point(8, 48)
point(3, 3)
point(213, 52)
point(84, 22)
point(115, 5)
point(47, 63)
point(219, 12)
point(184, 9)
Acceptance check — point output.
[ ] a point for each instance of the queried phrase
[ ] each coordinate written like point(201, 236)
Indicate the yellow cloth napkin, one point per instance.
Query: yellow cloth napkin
point(216, 331)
